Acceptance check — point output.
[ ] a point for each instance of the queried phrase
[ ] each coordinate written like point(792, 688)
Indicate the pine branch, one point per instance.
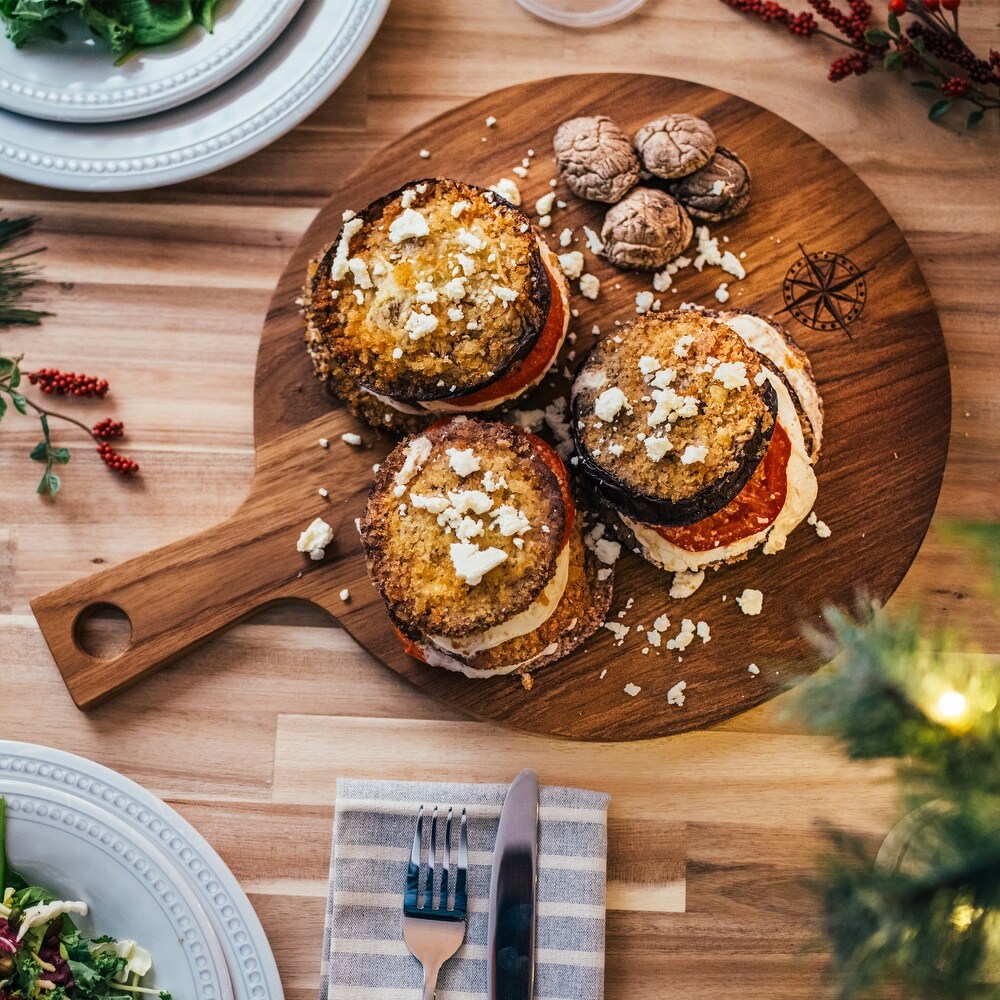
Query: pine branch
point(17, 277)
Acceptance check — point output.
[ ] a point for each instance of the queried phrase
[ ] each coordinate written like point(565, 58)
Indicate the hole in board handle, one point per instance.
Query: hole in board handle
point(102, 631)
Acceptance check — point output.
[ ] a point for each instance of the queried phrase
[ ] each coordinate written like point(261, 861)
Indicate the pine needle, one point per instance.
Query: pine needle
point(17, 277)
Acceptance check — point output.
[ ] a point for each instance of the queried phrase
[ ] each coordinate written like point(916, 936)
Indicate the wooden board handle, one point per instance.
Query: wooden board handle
point(176, 597)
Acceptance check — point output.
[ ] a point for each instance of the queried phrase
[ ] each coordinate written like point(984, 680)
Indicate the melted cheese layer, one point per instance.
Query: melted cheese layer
point(521, 624)
point(799, 500)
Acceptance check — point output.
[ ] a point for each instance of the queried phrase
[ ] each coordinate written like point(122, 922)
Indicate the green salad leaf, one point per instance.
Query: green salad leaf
point(126, 25)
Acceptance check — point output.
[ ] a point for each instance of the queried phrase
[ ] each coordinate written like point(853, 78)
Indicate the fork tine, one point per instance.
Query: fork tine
point(431, 862)
point(413, 868)
point(446, 866)
point(461, 903)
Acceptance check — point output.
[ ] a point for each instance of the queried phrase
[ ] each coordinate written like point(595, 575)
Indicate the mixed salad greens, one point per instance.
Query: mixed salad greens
point(126, 25)
point(43, 955)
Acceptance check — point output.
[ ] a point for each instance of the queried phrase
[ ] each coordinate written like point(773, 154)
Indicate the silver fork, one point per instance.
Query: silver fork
point(433, 930)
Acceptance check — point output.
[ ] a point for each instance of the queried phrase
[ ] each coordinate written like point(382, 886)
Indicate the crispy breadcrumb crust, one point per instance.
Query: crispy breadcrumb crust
point(408, 551)
point(727, 422)
point(450, 360)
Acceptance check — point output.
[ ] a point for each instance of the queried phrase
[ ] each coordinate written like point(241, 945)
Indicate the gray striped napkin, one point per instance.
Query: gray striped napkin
point(364, 957)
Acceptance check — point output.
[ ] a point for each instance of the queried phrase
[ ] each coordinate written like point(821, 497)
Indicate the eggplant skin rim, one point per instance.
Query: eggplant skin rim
point(680, 513)
point(538, 280)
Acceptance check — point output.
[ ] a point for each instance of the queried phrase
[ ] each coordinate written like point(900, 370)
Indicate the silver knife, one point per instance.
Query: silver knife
point(510, 943)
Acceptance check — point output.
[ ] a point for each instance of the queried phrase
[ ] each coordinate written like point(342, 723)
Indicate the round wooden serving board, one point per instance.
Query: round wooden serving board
point(886, 392)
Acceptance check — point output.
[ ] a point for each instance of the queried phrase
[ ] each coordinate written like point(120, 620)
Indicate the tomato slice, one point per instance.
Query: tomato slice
point(530, 368)
point(751, 511)
point(409, 646)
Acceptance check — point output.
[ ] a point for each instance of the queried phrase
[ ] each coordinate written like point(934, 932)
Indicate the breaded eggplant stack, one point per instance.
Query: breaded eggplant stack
point(744, 423)
point(437, 299)
point(473, 541)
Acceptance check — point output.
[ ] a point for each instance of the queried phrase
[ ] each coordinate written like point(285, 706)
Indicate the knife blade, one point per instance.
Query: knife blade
point(510, 942)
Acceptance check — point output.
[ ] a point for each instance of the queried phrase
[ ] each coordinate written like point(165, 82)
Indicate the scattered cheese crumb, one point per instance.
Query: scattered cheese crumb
point(345, 594)
point(632, 689)
point(643, 302)
point(544, 204)
point(571, 263)
point(324, 443)
point(656, 448)
point(508, 190)
point(662, 623)
point(409, 224)
point(754, 669)
point(750, 601)
point(594, 241)
point(590, 286)
point(472, 563)
point(315, 539)
point(603, 674)
point(351, 439)
point(703, 632)
point(654, 638)
point(491, 121)
point(732, 374)
point(545, 221)
point(821, 527)
point(463, 462)
point(675, 696)
point(566, 237)
point(608, 403)
point(721, 294)
point(619, 631)
point(693, 453)
point(323, 492)
point(397, 353)
point(425, 154)
point(521, 172)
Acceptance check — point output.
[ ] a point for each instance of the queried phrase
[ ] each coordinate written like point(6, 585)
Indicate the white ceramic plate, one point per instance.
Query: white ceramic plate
point(79, 851)
point(290, 80)
point(77, 81)
point(252, 970)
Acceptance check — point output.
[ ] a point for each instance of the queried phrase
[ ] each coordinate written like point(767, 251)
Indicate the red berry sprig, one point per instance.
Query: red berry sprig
point(51, 380)
point(108, 430)
point(118, 463)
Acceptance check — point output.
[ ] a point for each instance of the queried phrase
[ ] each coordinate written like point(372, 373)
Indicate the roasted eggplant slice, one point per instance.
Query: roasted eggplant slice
point(671, 417)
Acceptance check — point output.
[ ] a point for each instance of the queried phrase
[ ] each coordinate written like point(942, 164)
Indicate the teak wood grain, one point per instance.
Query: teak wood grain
point(885, 388)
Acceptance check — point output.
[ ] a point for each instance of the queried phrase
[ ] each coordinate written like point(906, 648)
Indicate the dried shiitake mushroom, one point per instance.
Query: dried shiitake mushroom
point(675, 145)
point(645, 230)
point(720, 190)
point(595, 158)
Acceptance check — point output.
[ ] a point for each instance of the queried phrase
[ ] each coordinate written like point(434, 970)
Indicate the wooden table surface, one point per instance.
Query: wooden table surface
point(164, 293)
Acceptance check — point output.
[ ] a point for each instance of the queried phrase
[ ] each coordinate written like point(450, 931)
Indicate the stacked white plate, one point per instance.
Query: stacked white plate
point(88, 833)
point(70, 118)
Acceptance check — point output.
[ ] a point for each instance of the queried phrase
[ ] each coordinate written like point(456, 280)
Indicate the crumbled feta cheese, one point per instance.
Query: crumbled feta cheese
point(459, 207)
point(571, 263)
point(607, 551)
point(657, 447)
point(685, 637)
point(455, 314)
point(643, 302)
point(545, 221)
point(409, 224)
point(426, 292)
point(345, 594)
point(463, 462)
point(433, 505)
point(491, 121)
point(505, 295)
point(703, 632)
point(718, 187)
point(686, 583)
point(508, 190)
point(509, 521)
point(544, 204)
point(708, 249)
point(323, 492)
point(730, 263)
point(590, 286)
point(359, 270)
point(324, 443)
point(467, 264)
point(721, 292)
point(338, 269)
point(732, 374)
point(470, 241)
point(754, 669)
point(397, 353)
point(821, 527)
point(594, 241)
point(472, 563)
point(521, 172)
point(417, 452)
point(315, 539)
point(648, 364)
point(632, 689)
point(418, 325)
point(351, 439)
point(683, 344)
point(675, 696)
point(693, 453)
point(425, 154)
point(347, 215)
point(619, 631)
point(566, 237)
point(750, 601)
point(608, 403)
point(654, 638)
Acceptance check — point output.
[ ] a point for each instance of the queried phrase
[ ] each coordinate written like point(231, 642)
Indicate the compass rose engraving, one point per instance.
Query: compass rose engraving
point(825, 291)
